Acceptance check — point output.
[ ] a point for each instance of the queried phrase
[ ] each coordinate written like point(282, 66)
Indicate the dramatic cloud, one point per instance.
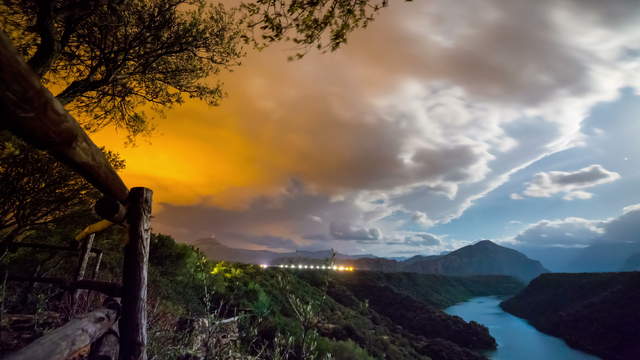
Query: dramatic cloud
point(547, 184)
point(575, 231)
point(421, 115)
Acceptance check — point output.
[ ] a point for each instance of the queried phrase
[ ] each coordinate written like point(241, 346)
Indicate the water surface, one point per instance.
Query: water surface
point(517, 340)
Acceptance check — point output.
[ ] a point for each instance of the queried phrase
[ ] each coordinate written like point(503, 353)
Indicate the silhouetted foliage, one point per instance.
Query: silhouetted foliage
point(323, 24)
point(113, 58)
point(36, 190)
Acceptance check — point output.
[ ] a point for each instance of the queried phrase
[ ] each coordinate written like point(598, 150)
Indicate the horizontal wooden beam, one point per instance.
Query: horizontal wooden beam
point(72, 337)
point(31, 112)
point(107, 288)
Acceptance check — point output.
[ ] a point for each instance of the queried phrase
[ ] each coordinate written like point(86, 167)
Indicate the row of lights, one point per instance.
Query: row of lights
point(313, 267)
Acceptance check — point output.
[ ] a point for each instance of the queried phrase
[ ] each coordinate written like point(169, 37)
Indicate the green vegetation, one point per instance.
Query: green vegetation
point(282, 314)
point(594, 312)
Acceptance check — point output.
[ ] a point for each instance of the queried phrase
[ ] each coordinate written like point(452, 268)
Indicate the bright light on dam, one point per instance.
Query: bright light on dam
point(309, 267)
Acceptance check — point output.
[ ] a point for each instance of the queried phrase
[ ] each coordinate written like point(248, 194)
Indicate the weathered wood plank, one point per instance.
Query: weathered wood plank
point(107, 347)
point(69, 339)
point(107, 288)
point(133, 325)
point(31, 112)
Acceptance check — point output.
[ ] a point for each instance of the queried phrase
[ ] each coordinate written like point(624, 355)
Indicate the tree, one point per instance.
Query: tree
point(36, 190)
point(113, 58)
point(323, 24)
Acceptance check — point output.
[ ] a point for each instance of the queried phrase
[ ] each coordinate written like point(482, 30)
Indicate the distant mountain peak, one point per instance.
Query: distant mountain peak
point(485, 243)
point(482, 258)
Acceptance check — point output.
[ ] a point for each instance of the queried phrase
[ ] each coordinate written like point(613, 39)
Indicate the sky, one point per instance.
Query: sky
point(441, 124)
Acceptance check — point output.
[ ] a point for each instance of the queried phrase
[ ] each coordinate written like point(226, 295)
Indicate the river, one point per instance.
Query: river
point(517, 340)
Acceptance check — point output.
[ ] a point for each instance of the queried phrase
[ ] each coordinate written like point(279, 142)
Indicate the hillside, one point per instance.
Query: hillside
point(409, 305)
point(439, 291)
point(481, 258)
point(594, 312)
point(390, 316)
point(352, 315)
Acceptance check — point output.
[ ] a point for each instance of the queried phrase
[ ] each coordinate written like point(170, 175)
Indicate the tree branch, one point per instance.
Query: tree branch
point(49, 47)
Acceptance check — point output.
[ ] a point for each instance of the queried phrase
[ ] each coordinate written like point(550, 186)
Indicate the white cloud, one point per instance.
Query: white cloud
point(467, 94)
point(415, 240)
point(342, 230)
point(421, 218)
point(516, 196)
point(630, 208)
point(562, 232)
point(569, 183)
point(314, 218)
point(574, 231)
point(578, 194)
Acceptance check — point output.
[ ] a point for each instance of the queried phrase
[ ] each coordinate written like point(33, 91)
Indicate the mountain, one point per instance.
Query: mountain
point(632, 263)
point(594, 312)
point(600, 257)
point(604, 257)
point(482, 258)
point(218, 251)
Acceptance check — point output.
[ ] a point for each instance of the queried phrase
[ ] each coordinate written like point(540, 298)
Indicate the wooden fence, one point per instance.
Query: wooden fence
point(31, 112)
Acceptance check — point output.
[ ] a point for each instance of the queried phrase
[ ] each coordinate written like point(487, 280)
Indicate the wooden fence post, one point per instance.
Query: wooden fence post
point(133, 324)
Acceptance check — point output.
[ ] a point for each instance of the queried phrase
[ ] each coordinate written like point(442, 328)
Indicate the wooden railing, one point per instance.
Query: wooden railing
point(32, 113)
point(74, 337)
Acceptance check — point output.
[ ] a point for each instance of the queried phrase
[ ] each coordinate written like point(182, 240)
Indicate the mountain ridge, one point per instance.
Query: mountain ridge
point(482, 258)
